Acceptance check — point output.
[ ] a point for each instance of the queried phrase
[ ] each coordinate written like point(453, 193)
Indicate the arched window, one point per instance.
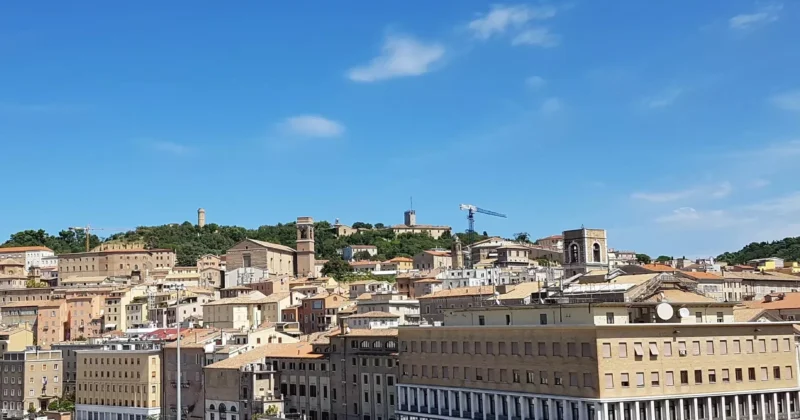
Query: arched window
point(211, 407)
point(573, 253)
point(596, 252)
point(365, 344)
point(233, 409)
point(222, 408)
point(377, 344)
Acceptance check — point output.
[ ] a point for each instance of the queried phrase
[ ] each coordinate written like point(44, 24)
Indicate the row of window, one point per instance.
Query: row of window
point(115, 388)
point(712, 347)
point(377, 344)
point(32, 367)
point(700, 376)
point(501, 375)
point(30, 380)
point(117, 403)
point(500, 348)
point(30, 392)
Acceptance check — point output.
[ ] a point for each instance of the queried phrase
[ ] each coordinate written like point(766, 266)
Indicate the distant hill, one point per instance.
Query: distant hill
point(788, 249)
point(191, 241)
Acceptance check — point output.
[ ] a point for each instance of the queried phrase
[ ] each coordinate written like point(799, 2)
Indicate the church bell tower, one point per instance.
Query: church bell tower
point(305, 247)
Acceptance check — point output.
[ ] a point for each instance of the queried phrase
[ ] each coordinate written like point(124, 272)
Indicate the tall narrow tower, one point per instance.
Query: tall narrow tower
point(201, 217)
point(456, 254)
point(305, 247)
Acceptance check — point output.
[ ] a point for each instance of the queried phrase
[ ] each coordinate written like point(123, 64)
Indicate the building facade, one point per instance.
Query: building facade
point(31, 379)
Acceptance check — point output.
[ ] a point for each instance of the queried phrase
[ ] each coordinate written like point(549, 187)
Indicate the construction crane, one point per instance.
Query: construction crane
point(89, 229)
point(471, 210)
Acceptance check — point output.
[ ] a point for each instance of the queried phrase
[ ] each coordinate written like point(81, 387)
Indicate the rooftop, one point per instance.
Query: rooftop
point(14, 249)
point(250, 298)
point(374, 314)
point(292, 350)
point(662, 268)
point(461, 292)
point(701, 275)
point(777, 301)
point(272, 245)
point(759, 276)
point(521, 291)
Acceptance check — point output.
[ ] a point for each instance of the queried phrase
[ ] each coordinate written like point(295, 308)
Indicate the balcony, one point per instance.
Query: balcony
point(403, 407)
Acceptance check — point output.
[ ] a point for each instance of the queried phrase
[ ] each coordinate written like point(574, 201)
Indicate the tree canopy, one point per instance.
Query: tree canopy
point(787, 248)
point(643, 258)
point(191, 241)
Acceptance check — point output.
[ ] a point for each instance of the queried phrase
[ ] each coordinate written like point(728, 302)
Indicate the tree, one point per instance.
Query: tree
point(336, 268)
point(362, 255)
point(361, 225)
point(522, 237)
point(663, 258)
point(272, 410)
point(643, 258)
point(544, 262)
point(380, 226)
point(61, 405)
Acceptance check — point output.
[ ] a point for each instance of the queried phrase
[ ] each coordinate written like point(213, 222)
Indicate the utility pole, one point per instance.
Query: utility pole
point(178, 288)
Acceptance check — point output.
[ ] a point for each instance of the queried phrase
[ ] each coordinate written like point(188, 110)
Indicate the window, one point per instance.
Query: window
point(557, 349)
point(543, 349)
point(774, 345)
point(720, 317)
point(698, 317)
point(640, 379)
point(698, 376)
point(481, 320)
point(695, 348)
point(723, 347)
point(710, 347)
point(712, 376)
point(762, 345)
point(586, 350)
point(776, 372)
point(684, 377)
point(749, 346)
point(681, 348)
point(787, 344)
point(669, 377)
point(667, 349)
point(606, 350)
point(624, 380)
point(623, 350)
point(528, 348)
point(751, 374)
point(515, 376)
point(609, 381)
point(543, 377)
point(738, 373)
point(726, 375)
point(764, 374)
point(653, 349)
point(654, 379)
point(543, 319)
point(572, 349)
point(737, 347)
point(638, 350)
point(558, 379)
point(530, 377)
point(609, 317)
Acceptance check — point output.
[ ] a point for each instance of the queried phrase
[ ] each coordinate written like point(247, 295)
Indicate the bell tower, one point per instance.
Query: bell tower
point(456, 253)
point(305, 259)
point(585, 250)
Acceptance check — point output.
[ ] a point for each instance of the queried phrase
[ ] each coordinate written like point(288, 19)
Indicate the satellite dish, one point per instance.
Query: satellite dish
point(683, 313)
point(665, 311)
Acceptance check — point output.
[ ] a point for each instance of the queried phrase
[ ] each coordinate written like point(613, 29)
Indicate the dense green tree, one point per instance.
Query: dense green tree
point(362, 255)
point(336, 268)
point(643, 258)
point(361, 225)
point(522, 237)
point(787, 248)
point(379, 226)
point(663, 258)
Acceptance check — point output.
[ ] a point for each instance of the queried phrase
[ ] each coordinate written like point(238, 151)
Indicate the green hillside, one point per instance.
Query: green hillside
point(191, 241)
point(787, 248)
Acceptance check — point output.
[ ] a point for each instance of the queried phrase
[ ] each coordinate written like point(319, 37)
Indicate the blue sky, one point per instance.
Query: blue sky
point(674, 125)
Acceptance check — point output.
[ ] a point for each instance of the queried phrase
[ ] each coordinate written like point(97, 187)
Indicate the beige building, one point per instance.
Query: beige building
point(31, 379)
point(14, 339)
point(274, 258)
point(119, 380)
point(434, 231)
point(114, 262)
point(51, 323)
point(429, 260)
point(114, 310)
point(399, 264)
point(136, 312)
point(716, 286)
point(598, 361)
point(249, 310)
point(754, 285)
point(433, 306)
point(84, 317)
point(24, 294)
point(13, 274)
point(70, 363)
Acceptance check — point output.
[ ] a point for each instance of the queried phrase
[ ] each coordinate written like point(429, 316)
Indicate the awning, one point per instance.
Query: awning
point(111, 326)
point(653, 349)
point(638, 350)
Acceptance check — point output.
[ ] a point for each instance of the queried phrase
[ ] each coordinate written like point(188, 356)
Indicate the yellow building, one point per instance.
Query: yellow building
point(119, 380)
point(599, 361)
point(31, 379)
point(15, 339)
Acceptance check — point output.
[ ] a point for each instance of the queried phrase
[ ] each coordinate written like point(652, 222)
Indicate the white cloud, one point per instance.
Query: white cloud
point(312, 126)
point(551, 106)
point(169, 147)
point(789, 101)
point(663, 99)
point(715, 191)
point(779, 206)
point(401, 56)
point(766, 14)
point(540, 37)
point(689, 217)
point(535, 82)
point(501, 18)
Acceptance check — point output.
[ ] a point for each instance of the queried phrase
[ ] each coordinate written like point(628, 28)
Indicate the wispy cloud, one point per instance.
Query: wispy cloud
point(401, 56)
point(712, 191)
point(789, 101)
point(502, 18)
point(540, 37)
point(689, 217)
point(535, 82)
point(312, 126)
point(766, 14)
point(663, 99)
point(551, 106)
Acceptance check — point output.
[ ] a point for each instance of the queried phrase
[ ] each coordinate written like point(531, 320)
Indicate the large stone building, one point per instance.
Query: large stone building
point(70, 362)
point(585, 250)
point(112, 261)
point(29, 256)
point(410, 226)
point(276, 259)
point(599, 361)
point(119, 380)
point(31, 379)
point(433, 259)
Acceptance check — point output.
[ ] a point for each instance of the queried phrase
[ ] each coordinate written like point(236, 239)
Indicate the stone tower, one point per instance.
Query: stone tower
point(305, 247)
point(201, 217)
point(585, 250)
point(410, 218)
point(457, 255)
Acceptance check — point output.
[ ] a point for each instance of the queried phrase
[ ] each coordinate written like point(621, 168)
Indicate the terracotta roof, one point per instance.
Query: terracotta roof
point(789, 301)
point(377, 332)
point(196, 337)
point(116, 251)
point(15, 249)
point(745, 314)
point(659, 267)
point(401, 259)
point(438, 253)
point(374, 314)
point(288, 350)
point(271, 245)
point(461, 291)
point(701, 275)
point(364, 262)
point(521, 291)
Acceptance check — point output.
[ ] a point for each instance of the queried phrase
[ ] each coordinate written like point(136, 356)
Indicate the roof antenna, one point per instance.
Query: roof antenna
point(411, 199)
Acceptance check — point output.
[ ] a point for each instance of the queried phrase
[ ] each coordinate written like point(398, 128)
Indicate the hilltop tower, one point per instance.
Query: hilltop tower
point(585, 250)
point(305, 247)
point(410, 218)
point(457, 255)
point(201, 217)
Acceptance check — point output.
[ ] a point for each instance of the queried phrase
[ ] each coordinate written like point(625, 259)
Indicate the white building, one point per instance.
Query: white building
point(31, 255)
point(372, 320)
point(394, 303)
point(349, 252)
point(619, 258)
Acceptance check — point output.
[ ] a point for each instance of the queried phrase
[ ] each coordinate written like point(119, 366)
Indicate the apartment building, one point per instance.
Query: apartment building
point(84, 316)
point(399, 264)
point(70, 362)
point(513, 362)
point(320, 312)
point(247, 310)
point(29, 256)
point(405, 308)
point(275, 259)
point(194, 345)
point(136, 312)
point(349, 252)
point(31, 379)
point(115, 304)
point(14, 339)
point(209, 261)
point(24, 314)
point(8, 295)
point(357, 288)
point(715, 286)
point(432, 259)
point(756, 285)
point(433, 306)
point(51, 322)
point(119, 380)
point(112, 262)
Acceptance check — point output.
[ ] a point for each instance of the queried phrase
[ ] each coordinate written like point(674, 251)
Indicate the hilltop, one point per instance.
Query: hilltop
point(191, 241)
point(787, 248)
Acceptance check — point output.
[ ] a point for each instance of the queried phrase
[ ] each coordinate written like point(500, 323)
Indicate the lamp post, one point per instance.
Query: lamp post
point(178, 288)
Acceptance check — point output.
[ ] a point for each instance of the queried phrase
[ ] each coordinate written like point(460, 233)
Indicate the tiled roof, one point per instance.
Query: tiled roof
point(364, 246)
point(400, 259)
point(789, 301)
point(760, 276)
point(15, 249)
point(271, 245)
point(438, 253)
point(701, 275)
point(288, 350)
point(374, 314)
point(521, 291)
point(659, 268)
point(251, 298)
point(461, 292)
point(364, 262)
point(377, 332)
point(746, 314)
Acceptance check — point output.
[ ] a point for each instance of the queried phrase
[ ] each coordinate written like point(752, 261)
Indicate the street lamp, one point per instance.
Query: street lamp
point(178, 287)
